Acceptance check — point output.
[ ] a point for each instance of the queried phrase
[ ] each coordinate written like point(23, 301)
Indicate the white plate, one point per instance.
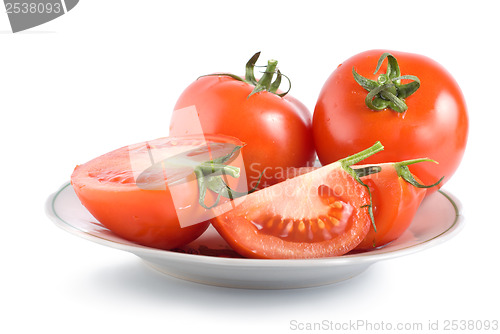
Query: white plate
point(209, 259)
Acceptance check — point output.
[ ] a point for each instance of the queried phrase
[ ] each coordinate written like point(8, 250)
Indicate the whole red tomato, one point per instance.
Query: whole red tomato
point(414, 107)
point(276, 128)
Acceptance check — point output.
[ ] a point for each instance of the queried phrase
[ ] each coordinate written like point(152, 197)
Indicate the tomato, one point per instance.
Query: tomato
point(277, 130)
point(395, 202)
point(322, 213)
point(148, 192)
point(435, 124)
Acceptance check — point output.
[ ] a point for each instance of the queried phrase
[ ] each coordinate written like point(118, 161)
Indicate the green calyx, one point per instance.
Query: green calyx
point(270, 80)
point(356, 174)
point(404, 172)
point(387, 91)
point(212, 175)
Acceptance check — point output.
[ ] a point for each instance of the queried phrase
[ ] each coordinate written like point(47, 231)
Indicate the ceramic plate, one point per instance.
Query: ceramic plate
point(210, 260)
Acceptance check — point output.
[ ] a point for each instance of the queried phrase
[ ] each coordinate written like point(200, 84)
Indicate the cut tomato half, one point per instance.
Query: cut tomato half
point(148, 192)
point(322, 213)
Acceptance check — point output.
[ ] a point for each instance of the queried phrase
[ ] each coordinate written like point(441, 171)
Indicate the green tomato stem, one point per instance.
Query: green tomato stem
point(346, 164)
point(266, 80)
point(214, 168)
point(405, 173)
point(250, 69)
point(265, 83)
point(387, 91)
point(210, 177)
point(360, 156)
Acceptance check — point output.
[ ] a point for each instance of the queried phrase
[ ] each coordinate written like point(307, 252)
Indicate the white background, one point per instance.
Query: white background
point(108, 74)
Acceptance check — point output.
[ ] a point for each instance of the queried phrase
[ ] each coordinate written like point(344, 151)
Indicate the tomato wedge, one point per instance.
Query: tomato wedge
point(131, 190)
point(395, 201)
point(322, 213)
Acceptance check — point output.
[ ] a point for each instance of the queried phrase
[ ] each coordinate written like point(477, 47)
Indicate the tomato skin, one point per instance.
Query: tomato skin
point(277, 130)
point(146, 217)
point(107, 187)
point(395, 203)
point(298, 196)
point(434, 126)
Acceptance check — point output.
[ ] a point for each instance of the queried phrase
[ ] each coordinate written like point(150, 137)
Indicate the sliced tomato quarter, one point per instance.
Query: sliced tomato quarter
point(322, 213)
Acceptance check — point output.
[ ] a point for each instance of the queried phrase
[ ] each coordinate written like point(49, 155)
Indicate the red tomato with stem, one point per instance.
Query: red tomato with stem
point(276, 127)
point(411, 104)
point(323, 213)
point(157, 193)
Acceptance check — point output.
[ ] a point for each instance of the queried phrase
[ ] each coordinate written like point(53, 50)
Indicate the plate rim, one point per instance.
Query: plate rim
point(351, 259)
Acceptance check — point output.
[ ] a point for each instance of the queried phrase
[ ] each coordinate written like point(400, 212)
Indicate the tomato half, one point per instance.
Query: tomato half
point(277, 130)
point(155, 207)
point(395, 203)
point(318, 214)
point(435, 124)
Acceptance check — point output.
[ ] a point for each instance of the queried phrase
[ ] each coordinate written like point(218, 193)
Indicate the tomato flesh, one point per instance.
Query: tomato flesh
point(147, 213)
point(308, 229)
point(317, 214)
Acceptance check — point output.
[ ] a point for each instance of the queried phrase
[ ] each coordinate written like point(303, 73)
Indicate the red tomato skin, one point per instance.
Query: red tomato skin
point(146, 217)
point(395, 203)
point(277, 131)
point(434, 126)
